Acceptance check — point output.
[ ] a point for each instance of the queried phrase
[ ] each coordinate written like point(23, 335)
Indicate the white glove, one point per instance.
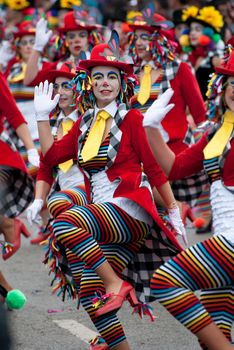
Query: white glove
point(177, 223)
point(33, 157)
point(157, 111)
point(33, 211)
point(6, 53)
point(42, 36)
point(43, 102)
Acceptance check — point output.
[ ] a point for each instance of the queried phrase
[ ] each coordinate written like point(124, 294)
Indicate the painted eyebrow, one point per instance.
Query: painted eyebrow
point(97, 73)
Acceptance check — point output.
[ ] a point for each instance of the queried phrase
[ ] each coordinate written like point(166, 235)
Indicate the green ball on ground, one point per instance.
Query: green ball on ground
point(15, 299)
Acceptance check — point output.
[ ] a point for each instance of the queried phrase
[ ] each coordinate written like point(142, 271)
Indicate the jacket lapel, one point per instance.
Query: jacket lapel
point(115, 135)
point(84, 125)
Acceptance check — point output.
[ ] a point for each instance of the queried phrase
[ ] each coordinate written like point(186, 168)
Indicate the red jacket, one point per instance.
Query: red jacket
point(10, 111)
point(186, 94)
point(126, 163)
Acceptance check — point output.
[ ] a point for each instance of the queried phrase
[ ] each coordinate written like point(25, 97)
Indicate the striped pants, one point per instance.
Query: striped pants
point(206, 266)
point(78, 227)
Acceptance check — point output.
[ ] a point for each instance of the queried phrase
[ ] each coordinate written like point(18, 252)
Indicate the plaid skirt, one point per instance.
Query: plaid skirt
point(16, 191)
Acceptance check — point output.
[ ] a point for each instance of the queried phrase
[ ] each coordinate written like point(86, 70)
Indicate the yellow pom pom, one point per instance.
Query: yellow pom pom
point(184, 40)
point(212, 17)
point(190, 11)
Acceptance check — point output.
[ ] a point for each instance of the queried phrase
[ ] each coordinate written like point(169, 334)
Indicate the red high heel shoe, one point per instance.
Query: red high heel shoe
point(19, 228)
point(41, 236)
point(126, 292)
point(98, 343)
point(187, 213)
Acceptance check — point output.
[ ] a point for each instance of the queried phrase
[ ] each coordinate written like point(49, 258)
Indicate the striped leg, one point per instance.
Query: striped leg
point(108, 326)
point(205, 265)
point(80, 228)
point(59, 202)
point(220, 305)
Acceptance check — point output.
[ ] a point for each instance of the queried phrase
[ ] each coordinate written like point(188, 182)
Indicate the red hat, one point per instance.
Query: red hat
point(103, 55)
point(155, 22)
point(76, 20)
point(66, 71)
point(227, 68)
point(25, 28)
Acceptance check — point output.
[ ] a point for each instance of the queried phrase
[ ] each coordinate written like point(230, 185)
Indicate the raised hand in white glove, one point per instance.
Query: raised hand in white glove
point(177, 223)
point(157, 111)
point(33, 157)
point(6, 53)
point(43, 102)
point(33, 211)
point(42, 36)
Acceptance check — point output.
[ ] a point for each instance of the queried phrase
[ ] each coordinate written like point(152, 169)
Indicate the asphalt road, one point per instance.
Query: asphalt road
point(47, 323)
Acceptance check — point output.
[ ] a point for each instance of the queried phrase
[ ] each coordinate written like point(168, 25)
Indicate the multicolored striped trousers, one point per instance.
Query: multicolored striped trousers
point(206, 266)
point(92, 234)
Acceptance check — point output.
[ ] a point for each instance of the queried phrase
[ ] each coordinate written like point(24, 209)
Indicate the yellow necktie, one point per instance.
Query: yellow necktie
point(218, 142)
point(145, 85)
point(94, 139)
point(67, 124)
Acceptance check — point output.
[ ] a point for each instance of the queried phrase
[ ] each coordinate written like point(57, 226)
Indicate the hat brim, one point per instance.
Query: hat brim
point(88, 64)
point(165, 25)
point(224, 71)
point(24, 33)
point(77, 27)
point(205, 24)
point(51, 75)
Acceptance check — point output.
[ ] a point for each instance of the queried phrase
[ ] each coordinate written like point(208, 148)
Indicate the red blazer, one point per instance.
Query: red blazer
point(10, 111)
point(190, 162)
point(124, 163)
point(186, 94)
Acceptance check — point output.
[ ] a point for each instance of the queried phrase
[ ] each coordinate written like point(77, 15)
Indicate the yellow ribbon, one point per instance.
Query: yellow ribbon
point(67, 124)
point(145, 85)
point(94, 139)
point(218, 142)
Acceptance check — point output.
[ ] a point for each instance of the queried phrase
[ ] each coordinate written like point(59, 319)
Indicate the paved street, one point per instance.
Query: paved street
point(47, 323)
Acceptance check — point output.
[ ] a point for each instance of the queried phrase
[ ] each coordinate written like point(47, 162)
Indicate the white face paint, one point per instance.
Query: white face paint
point(105, 84)
point(229, 94)
point(196, 30)
point(66, 100)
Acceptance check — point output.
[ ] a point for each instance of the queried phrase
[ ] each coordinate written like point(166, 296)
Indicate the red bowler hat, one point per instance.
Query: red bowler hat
point(25, 28)
point(103, 55)
point(66, 71)
point(227, 68)
point(76, 20)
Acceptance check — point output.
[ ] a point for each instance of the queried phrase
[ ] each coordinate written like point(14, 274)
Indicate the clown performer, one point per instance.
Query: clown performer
point(208, 265)
point(16, 186)
point(69, 181)
point(76, 35)
point(202, 44)
point(159, 69)
point(108, 232)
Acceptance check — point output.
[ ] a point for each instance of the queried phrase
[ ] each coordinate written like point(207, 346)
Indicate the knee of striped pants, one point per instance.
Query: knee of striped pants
point(108, 326)
point(61, 201)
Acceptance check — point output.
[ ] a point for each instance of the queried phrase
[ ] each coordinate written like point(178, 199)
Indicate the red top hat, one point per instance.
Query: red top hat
point(102, 55)
point(25, 28)
point(75, 20)
point(66, 71)
point(227, 68)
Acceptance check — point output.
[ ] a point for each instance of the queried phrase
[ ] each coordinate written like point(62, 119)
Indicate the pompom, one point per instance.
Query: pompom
point(198, 222)
point(15, 299)
point(204, 40)
point(184, 40)
point(216, 37)
point(208, 32)
point(187, 49)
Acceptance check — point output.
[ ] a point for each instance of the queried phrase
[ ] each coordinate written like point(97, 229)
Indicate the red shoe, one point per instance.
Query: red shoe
point(187, 213)
point(126, 292)
point(42, 236)
point(19, 228)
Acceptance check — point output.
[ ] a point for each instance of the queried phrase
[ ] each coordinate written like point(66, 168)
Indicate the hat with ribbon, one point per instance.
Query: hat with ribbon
point(79, 19)
point(227, 67)
point(25, 28)
point(66, 71)
point(107, 55)
point(148, 20)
